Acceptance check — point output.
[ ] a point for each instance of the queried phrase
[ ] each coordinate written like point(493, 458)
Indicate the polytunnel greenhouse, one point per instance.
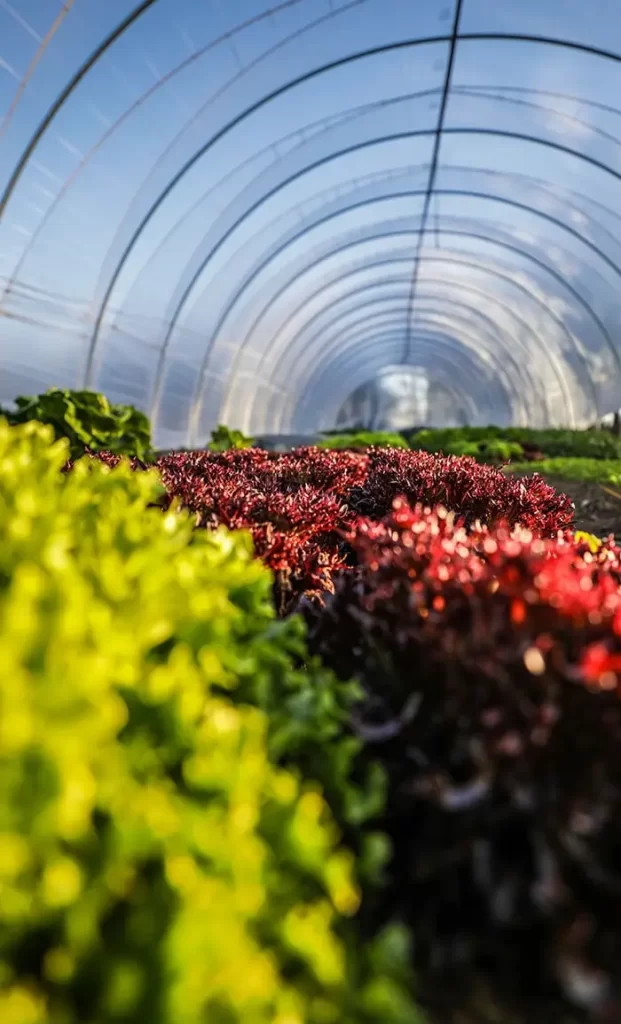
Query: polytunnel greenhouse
point(310, 512)
point(241, 212)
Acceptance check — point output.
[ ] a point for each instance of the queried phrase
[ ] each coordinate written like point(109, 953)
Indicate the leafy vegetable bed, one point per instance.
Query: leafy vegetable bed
point(173, 766)
point(204, 818)
point(489, 656)
point(300, 506)
point(600, 471)
point(501, 443)
point(490, 664)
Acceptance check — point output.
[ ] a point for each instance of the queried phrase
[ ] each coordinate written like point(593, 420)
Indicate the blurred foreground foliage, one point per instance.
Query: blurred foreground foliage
point(87, 420)
point(157, 863)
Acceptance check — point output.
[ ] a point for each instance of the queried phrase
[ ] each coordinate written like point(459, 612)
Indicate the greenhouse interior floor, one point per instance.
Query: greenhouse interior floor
point(598, 507)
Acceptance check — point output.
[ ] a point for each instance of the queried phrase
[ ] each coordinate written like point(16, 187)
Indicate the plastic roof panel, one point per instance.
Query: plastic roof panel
point(245, 211)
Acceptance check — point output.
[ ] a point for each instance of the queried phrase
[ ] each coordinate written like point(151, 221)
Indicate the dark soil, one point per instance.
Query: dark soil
point(597, 510)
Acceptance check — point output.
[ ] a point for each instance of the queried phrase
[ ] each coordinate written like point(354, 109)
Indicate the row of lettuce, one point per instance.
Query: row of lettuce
point(175, 773)
point(588, 455)
point(88, 419)
point(314, 738)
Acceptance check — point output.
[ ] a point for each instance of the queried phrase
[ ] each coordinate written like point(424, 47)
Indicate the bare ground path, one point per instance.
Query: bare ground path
point(598, 510)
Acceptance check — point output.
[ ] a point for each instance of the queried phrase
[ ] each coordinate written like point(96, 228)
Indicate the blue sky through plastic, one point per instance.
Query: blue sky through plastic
point(239, 211)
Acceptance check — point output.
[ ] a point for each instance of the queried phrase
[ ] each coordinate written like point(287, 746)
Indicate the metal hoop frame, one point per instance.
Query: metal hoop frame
point(440, 131)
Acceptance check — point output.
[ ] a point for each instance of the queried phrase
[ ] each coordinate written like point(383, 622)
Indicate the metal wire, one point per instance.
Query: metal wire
point(314, 389)
point(314, 73)
point(34, 63)
point(504, 353)
point(471, 234)
point(453, 192)
point(27, 295)
point(433, 168)
point(63, 96)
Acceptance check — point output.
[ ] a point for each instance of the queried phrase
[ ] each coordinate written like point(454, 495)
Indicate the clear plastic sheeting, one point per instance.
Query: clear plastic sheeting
point(403, 397)
point(271, 214)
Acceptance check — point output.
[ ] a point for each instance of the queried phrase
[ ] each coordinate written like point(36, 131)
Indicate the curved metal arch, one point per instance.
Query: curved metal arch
point(495, 332)
point(221, 133)
point(423, 132)
point(308, 76)
point(433, 170)
point(519, 372)
point(431, 186)
point(468, 347)
point(63, 96)
point(479, 92)
point(432, 336)
point(498, 357)
point(489, 297)
point(419, 94)
point(391, 370)
point(350, 273)
point(486, 91)
point(442, 231)
point(430, 341)
point(317, 384)
point(193, 209)
point(483, 269)
point(33, 65)
point(327, 385)
point(466, 193)
point(342, 421)
point(364, 341)
point(365, 107)
point(325, 416)
point(213, 44)
point(141, 8)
